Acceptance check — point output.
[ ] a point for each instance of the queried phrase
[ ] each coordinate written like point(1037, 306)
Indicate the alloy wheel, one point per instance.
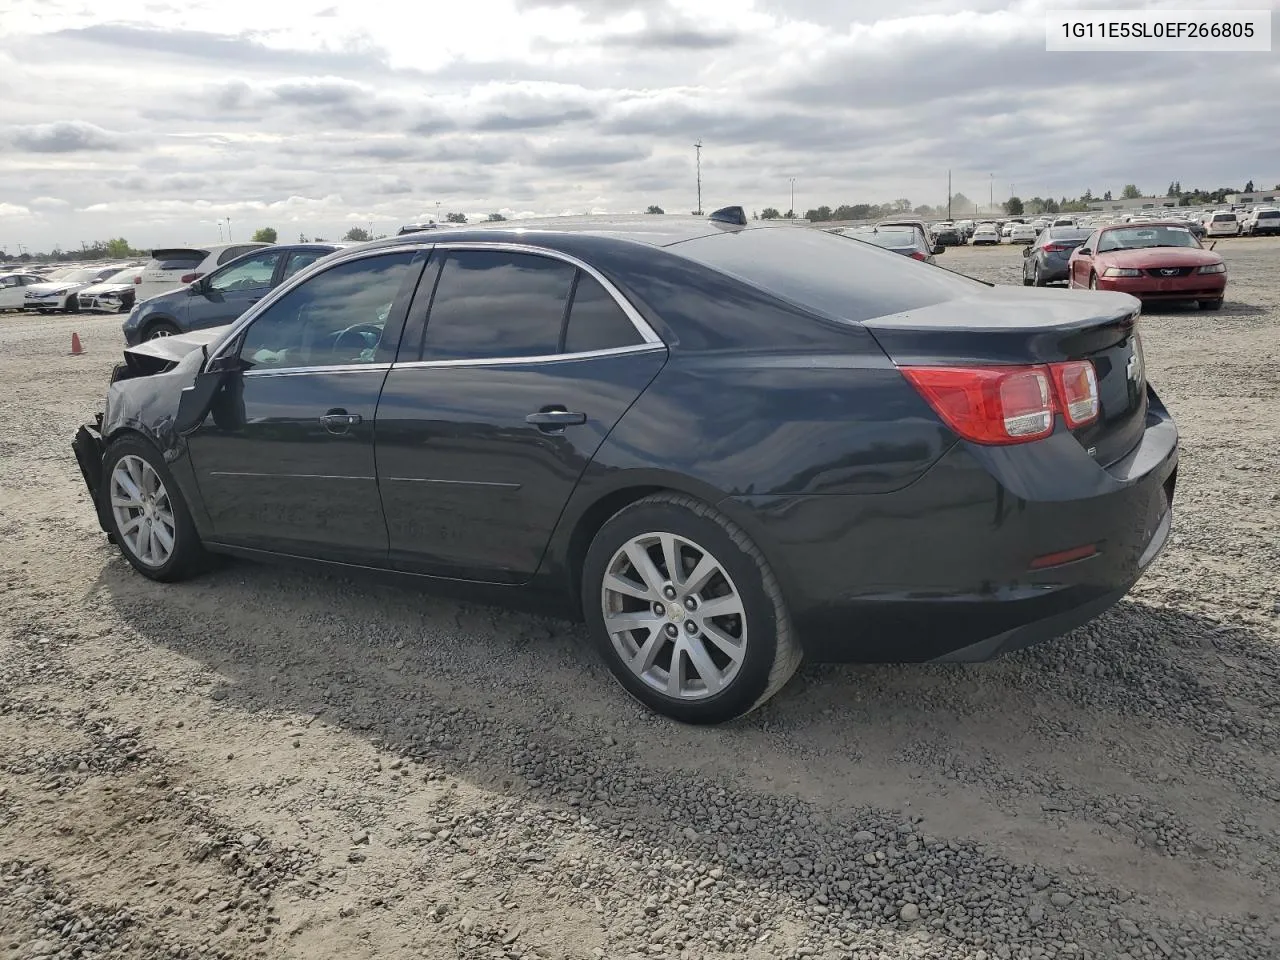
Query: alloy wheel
point(143, 514)
point(674, 616)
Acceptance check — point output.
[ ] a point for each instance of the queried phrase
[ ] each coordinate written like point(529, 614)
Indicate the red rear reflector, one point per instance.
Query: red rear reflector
point(1009, 404)
point(1077, 390)
point(1064, 556)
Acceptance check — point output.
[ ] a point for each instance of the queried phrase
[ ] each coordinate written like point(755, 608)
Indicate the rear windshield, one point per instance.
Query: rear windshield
point(177, 260)
point(827, 272)
point(1068, 233)
point(893, 239)
point(1223, 217)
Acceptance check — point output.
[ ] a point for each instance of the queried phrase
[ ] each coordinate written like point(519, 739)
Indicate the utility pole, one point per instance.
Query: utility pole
point(991, 195)
point(793, 196)
point(228, 229)
point(948, 194)
point(698, 147)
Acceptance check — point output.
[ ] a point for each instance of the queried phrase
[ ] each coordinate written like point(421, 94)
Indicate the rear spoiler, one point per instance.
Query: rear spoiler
point(175, 253)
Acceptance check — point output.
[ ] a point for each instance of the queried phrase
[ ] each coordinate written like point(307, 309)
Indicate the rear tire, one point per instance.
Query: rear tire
point(1211, 304)
point(141, 496)
point(725, 664)
point(1093, 281)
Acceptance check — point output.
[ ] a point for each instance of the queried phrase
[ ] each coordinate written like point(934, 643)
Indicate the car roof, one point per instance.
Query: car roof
point(657, 231)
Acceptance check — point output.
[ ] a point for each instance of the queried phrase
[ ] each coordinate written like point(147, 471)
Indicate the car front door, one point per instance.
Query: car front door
point(228, 291)
point(527, 362)
point(1082, 260)
point(12, 293)
point(285, 459)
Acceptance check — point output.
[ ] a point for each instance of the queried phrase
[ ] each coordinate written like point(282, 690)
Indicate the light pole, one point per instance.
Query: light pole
point(793, 196)
point(698, 153)
point(991, 195)
point(437, 211)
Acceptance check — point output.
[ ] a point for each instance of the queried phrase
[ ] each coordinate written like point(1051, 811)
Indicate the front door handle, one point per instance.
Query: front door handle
point(338, 421)
point(555, 418)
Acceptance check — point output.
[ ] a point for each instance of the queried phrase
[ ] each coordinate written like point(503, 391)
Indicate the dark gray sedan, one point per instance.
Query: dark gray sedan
point(1045, 261)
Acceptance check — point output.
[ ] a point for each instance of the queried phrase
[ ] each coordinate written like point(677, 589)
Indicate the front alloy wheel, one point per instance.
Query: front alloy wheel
point(686, 611)
point(144, 516)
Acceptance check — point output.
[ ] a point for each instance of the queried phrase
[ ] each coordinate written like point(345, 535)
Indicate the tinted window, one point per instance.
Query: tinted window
point(303, 258)
point(1268, 214)
point(184, 262)
point(1224, 218)
point(332, 318)
point(1066, 233)
point(497, 304)
point(827, 272)
point(596, 322)
point(249, 274)
point(229, 254)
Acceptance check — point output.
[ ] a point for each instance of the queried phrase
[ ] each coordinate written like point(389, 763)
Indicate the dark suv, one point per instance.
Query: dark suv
point(219, 297)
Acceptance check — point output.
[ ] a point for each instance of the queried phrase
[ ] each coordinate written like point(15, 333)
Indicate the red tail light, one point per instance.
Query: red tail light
point(138, 278)
point(189, 278)
point(1008, 404)
point(1056, 248)
point(917, 255)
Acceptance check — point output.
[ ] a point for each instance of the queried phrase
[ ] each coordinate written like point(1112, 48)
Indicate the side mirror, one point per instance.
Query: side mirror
point(938, 248)
point(1084, 252)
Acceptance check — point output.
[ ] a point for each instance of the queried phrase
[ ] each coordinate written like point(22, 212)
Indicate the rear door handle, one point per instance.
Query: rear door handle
point(555, 418)
point(339, 421)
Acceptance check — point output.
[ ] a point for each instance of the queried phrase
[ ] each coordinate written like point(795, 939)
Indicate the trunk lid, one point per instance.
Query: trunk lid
point(1029, 325)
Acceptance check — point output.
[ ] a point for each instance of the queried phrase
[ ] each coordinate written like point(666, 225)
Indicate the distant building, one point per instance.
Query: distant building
point(1136, 203)
point(1258, 196)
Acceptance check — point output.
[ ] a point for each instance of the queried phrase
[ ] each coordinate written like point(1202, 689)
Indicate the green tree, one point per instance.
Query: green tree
point(357, 235)
point(1248, 187)
point(1130, 192)
point(496, 218)
point(1107, 195)
point(1172, 191)
point(455, 218)
point(1013, 206)
point(820, 215)
point(302, 238)
point(789, 215)
point(1087, 196)
point(264, 235)
point(118, 248)
point(902, 204)
point(770, 213)
point(960, 204)
point(1052, 206)
point(654, 209)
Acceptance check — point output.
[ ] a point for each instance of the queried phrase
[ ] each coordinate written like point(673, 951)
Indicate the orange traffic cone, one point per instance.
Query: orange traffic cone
point(76, 348)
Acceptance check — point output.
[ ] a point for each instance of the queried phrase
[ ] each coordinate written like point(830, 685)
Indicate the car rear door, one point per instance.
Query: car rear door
point(285, 458)
point(528, 360)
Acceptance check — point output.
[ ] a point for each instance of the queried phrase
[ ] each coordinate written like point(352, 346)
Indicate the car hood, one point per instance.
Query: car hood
point(101, 288)
point(53, 286)
point(173, 349)
point(1159, 257)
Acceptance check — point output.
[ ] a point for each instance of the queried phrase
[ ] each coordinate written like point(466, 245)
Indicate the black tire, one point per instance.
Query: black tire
point(772, 651)
point(160, 328)
point(1040, 281)
point(1211, 304)
point(1093, 281)
point(188, 556)
point(73, 304)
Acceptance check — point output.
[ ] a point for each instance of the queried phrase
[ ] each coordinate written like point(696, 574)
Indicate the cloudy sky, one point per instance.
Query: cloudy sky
point(154, 120)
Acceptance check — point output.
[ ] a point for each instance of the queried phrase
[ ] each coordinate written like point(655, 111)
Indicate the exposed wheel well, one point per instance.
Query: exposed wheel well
point(592, 519)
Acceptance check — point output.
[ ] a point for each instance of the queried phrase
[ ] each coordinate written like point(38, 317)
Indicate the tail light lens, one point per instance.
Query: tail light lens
point(1077, 390)
point(1009, 404)
point(138, 278)
point(917, 255)
point(189, 278)
point(1055, 248)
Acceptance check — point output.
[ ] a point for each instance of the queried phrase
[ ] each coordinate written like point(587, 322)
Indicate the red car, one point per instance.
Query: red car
point(1152, 261)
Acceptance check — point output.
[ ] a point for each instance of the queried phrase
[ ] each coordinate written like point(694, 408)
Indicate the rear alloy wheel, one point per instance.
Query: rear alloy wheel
point(149, 521)
point(160, 329)
point(1210, 304)
point(686, 611)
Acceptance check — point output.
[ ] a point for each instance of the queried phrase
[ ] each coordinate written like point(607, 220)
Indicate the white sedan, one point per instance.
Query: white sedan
point(13, 289)
point(59, 291)
point(1021, 233)
point(985, 233)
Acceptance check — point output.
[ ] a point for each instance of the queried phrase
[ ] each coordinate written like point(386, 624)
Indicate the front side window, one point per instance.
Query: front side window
point(249, 274)
point(596, 322)
point(336, 317)
point(493, 304)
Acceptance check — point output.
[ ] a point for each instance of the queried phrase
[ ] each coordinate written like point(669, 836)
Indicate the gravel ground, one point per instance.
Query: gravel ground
point(268, 763)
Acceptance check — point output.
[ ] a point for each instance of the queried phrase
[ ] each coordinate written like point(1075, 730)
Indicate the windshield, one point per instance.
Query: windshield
point(1136, 238)
point(892, 239)
point(79, 276)
point(124, 276)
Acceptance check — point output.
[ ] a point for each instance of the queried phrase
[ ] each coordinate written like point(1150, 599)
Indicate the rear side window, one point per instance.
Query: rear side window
point(827, 272)
point(596, 322)
point(1268, 214)
point(494, 304)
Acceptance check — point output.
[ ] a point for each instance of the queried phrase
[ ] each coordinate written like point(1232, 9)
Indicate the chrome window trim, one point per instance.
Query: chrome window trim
point(541, 358)
point(301, 276)
point(647, 333)
point(334, 368)
point(650, 337)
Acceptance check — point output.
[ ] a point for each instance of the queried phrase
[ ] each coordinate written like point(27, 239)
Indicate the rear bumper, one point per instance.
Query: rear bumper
point(943, 569)
point(89, 450)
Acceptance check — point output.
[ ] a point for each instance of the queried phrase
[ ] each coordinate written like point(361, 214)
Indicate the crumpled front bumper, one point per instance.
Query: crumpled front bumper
point(89, 450)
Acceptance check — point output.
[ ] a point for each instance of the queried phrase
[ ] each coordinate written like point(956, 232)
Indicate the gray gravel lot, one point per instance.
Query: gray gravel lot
point(268, 763)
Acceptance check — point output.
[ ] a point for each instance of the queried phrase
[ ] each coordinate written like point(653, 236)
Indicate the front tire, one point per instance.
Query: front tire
point(686, 611)
point(160, 328)
point(72, 305)
point(1093, 281)
point(148, 518)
